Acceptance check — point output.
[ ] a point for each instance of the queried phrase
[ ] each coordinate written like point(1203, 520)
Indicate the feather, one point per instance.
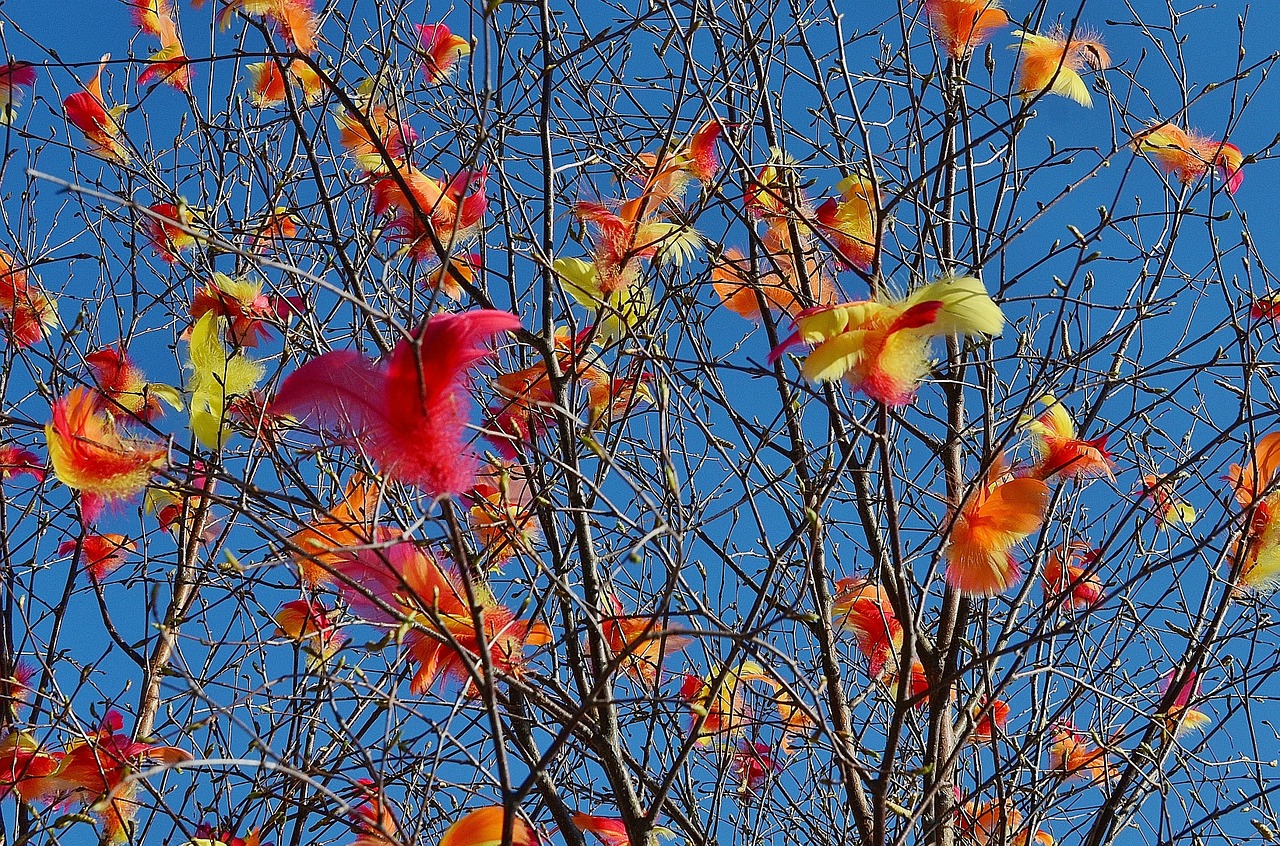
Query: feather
point(217, 377)
point(1189, 155)
point(410, 413)
point(485, 826)
point(881, 347)
point(1052, 62)
point(87, 111)
point(13, 77)
point(996, 516)
point(90, 456)
point(441, 50)
point(962, 25)
point(340, 388)
point(99, 555)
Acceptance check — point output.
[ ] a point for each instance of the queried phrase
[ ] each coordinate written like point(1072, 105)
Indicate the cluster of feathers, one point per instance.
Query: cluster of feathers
point(409, 414)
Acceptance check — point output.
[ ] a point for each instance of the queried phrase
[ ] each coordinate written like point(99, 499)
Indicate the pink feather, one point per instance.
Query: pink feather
point(340, 389)
point(410, 413)
point(17, 73)
point(370, 581)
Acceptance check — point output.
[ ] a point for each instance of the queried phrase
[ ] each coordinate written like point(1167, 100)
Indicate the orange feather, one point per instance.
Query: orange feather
point(998, 513)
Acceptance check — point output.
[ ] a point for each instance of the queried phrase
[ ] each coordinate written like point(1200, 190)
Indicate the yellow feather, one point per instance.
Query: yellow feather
point(619, 313)
point(1070, 84)
point(836, 357)
point(625, 310)
point(579, 280)
point(215, 378)
point(167, 394)
point(676, 242)
point(821, 325)
point(966, 307)
point(1264, 574)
